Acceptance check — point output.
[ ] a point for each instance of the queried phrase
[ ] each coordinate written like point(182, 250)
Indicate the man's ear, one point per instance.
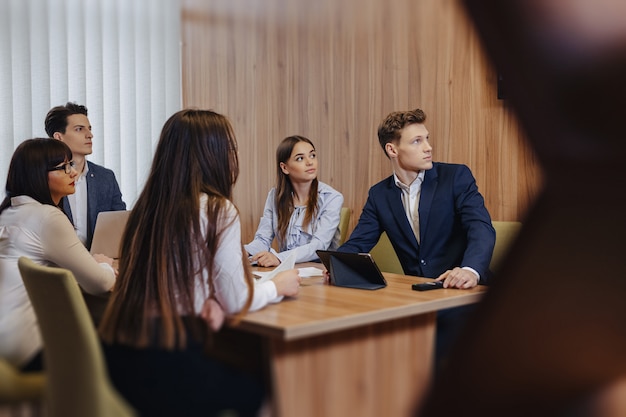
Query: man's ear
point(57, 135)
point(390, 149)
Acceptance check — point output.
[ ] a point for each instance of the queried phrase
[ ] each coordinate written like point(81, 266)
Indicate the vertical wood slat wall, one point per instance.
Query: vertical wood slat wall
point(331, 70)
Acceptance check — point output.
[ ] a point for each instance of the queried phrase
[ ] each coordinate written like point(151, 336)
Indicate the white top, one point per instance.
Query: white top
point(78, 204)
point(411, 200)
point(44, 234)
point(321, 234)
point(228, 270)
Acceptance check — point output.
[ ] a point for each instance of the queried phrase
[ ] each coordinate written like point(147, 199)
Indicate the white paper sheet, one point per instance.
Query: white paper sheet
point(288, 263)
point(310, 271)
point(307, 272)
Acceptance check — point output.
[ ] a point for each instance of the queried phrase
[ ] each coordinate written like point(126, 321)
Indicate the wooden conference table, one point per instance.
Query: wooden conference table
point(335, 351)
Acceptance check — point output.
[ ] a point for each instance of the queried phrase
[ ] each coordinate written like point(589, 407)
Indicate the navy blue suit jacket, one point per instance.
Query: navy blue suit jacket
point(103, 194)
point(455, 226)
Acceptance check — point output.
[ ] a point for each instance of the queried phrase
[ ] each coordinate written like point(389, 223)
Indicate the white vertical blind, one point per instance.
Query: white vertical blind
point(120, 58)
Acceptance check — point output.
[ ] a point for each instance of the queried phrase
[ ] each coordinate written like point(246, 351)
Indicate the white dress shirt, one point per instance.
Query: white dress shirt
point(411, 200)
point(78, 204)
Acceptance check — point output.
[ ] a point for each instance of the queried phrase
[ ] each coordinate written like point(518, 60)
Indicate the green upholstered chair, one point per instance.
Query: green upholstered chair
point(506, 232)
point(385, 256)
point(78, 384)
point(19, 387)
point(344, 221)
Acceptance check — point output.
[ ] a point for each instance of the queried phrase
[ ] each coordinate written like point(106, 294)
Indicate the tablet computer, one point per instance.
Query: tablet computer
point(353, 270)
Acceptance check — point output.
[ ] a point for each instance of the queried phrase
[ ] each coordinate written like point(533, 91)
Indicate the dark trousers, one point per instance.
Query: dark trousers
point(450, 323)
point(186, 383)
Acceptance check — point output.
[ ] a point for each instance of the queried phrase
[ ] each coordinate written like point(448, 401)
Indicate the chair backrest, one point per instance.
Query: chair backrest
point(344, 221)
point(78, 384)
point(385, 256)
point(506, 232)
point(17, 387)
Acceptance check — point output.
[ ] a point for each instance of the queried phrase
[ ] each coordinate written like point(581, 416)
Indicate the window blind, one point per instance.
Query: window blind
point(120, 58)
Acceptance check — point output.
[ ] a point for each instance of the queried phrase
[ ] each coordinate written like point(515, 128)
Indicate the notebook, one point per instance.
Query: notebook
point(107, 235)
point(353, 270)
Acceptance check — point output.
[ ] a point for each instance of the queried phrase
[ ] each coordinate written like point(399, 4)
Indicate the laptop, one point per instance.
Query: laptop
point(107, 235)
point(352, 270)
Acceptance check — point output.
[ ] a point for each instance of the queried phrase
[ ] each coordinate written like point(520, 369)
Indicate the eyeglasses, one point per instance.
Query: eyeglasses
point(67, 167)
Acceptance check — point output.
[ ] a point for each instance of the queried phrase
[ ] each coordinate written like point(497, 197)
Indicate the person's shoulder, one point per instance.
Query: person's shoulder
point(99, 169)
point(449, 174)
point(43, 213)
point(28, 204)
point(96, 167)
point(228, 207)
point(445, 168)
point(383, 184)
point(229, 214)
point(29, 214)
point(448, 166)
point(324, 188)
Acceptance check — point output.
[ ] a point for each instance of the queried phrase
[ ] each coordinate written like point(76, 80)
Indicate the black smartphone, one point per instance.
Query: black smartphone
point(425, 286)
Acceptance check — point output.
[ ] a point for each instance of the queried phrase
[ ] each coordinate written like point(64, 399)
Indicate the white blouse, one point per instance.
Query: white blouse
point(44, 234)
point(228, 271)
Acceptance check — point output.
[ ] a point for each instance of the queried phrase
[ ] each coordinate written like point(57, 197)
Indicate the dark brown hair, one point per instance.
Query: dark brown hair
point(390, 128)
point(284, 189)
point(164, 246)
point(56, 119)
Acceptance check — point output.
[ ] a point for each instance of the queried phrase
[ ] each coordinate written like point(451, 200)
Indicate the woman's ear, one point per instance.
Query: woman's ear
point(283, 168)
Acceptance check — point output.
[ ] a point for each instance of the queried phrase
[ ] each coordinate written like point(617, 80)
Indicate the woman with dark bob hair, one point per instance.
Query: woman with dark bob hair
point(182, 261)
point(32, 224)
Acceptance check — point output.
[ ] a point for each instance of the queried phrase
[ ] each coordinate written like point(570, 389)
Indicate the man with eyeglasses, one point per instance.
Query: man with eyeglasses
point(96, 187)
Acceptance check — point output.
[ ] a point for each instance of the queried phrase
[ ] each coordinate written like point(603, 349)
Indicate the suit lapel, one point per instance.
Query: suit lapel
point(92, 199)
point(429, 186)
point(67, 209)
point(394, 199)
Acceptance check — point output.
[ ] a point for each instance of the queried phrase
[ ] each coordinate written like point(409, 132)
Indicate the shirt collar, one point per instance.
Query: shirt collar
point(417, 182)
point(21, 200)
point(85, 171)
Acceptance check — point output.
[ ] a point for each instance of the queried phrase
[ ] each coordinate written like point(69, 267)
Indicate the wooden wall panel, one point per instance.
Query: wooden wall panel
point(331, 70)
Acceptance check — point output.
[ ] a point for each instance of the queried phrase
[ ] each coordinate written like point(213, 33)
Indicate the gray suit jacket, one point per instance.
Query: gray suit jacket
point(103, 194)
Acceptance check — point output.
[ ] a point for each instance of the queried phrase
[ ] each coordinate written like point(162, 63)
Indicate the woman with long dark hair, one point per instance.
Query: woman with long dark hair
point(301, 213)
point(181, 260)
point(32, 224)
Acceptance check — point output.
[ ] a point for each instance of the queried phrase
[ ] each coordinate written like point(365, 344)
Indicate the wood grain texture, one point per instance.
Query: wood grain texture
point(376, 370)
point(320, 309)
point(331, 71)
point(334, 351)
